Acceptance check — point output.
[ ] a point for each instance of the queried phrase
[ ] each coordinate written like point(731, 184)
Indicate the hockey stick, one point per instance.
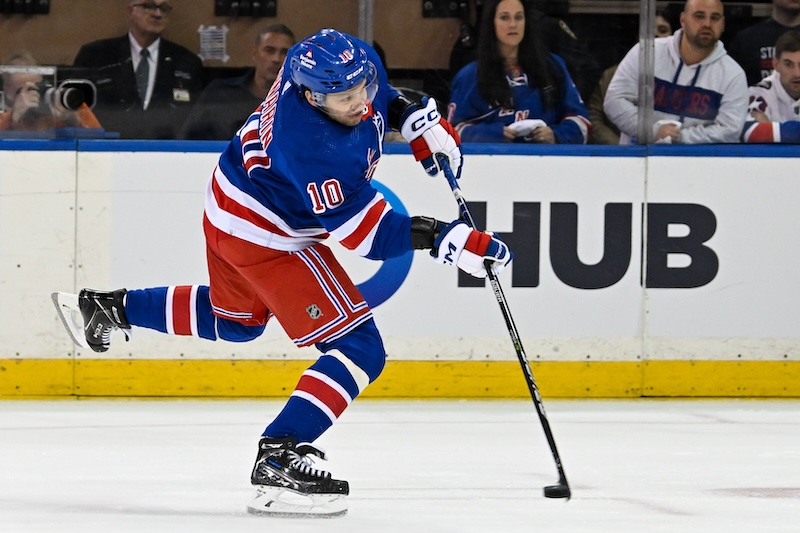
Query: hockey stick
point(561, 490)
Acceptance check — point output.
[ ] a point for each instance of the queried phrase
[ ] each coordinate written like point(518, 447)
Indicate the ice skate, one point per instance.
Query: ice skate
point(91, 316)
point(288, 485)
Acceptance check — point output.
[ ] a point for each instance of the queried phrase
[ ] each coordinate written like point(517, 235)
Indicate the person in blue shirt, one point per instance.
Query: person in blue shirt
point(516, 91)
point(297, 172)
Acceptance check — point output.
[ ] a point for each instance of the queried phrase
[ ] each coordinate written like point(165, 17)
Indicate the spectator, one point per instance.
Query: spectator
point(775, 100)
point(25, 107)
point(516, 91)
point(146, 84)
point(225, 104)
point(603, 130)
point(700, 93)
point(551, 30)
point(754, 47)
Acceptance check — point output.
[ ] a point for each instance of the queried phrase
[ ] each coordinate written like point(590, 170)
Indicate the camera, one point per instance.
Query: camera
point(71, 94)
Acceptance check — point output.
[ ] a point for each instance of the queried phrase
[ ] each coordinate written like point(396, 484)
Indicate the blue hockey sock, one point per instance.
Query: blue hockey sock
point(330, 385)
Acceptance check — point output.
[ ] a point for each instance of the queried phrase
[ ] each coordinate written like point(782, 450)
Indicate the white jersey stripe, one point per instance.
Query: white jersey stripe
point(193, 311)
point(359, 376)
point(331, 383)
point(355, 223)
point(247, 201)
point(316, 402)
point(246, 230)
point(169, 316)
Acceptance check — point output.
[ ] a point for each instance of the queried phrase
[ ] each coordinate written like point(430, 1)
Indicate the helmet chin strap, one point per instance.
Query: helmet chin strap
point(366, 110)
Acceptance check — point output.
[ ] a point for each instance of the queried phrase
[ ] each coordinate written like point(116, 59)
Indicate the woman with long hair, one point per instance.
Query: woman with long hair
point(516, 91)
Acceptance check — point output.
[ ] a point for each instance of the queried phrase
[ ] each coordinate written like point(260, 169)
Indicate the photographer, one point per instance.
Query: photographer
point(26, 107)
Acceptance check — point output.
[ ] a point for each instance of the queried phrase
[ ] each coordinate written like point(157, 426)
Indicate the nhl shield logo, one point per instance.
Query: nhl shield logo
point(314, 311)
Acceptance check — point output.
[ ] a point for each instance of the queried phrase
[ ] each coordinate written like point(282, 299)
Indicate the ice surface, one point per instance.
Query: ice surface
point(634, 466)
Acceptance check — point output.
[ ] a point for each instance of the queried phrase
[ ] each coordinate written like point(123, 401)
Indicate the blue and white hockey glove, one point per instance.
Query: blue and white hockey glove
point(460, 245)
point(430, 134)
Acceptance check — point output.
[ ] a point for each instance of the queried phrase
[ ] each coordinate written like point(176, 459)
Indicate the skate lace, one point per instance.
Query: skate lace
point(305, 465)
point(105, 333)
point(110, 327)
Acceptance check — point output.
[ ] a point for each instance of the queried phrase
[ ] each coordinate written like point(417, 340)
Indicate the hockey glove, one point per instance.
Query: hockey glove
point(460, 245)
point(430, 134)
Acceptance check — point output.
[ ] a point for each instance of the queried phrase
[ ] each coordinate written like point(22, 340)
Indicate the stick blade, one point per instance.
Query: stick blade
point(557, 491)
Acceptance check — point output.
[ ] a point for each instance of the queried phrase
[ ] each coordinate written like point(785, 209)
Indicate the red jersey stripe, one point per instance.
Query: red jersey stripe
point(324, 393)
point(234, 208)
point(369, 222)
point(181, 311)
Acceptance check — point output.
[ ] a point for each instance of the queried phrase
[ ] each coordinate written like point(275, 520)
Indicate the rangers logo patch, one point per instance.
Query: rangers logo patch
point(314, 311)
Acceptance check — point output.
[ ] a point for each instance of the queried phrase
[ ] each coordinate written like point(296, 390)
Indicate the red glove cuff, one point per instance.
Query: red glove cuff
point(478, 242)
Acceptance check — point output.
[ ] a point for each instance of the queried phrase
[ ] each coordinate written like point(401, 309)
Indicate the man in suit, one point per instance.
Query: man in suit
point(146, 85)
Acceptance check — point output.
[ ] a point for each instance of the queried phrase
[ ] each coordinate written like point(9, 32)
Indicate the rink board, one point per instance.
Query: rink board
point(128, 214)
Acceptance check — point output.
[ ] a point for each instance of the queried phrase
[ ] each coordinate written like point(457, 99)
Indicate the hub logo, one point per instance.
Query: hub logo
point(618, 246)
point(619, 243)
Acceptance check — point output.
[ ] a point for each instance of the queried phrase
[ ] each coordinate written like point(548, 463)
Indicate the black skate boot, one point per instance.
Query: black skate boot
point(103, 312)
point(283, 466)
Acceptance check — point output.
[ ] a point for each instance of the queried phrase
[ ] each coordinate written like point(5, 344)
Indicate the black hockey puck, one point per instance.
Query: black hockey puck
point(557, 491)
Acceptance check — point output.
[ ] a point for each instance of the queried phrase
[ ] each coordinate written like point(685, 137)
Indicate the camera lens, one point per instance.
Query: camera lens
point(71, 98)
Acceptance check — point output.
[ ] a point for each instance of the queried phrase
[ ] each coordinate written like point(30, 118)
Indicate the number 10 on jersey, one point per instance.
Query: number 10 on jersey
point(328, 196)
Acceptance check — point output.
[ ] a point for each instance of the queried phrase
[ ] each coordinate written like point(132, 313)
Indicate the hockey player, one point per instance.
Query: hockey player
point(297, 172)
point(774, 112)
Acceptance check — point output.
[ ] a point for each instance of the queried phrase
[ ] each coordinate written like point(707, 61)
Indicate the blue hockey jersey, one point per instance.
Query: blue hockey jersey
point(477, 121)
point(291, 176)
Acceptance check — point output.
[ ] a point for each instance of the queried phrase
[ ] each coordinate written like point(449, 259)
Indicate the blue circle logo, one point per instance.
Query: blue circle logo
point(385, 282)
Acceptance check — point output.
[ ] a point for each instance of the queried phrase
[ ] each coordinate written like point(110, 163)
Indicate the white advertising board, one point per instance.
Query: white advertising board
point(577, 226)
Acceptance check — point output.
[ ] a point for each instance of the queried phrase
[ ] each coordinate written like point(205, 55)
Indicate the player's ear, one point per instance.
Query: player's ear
point(309, 97)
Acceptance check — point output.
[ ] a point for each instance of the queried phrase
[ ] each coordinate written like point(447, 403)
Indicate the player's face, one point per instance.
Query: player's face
point(268, 56)
point(703, 23)
point(509, 23)
point(348, 107)
point(788, 67)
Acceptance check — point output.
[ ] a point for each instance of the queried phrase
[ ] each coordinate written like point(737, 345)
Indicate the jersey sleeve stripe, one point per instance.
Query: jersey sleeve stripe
point(763, 132)
point(229, 205)
point(245, 200)
point(584, 125)
point(358, 233)
point(229, 222)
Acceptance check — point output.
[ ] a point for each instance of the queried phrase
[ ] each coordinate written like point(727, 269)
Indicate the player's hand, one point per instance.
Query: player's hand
point(468, 249)
point(430, 134)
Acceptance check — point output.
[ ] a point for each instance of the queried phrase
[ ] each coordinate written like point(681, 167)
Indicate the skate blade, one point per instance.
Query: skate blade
point(280, 503)
point(70, 314)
